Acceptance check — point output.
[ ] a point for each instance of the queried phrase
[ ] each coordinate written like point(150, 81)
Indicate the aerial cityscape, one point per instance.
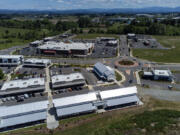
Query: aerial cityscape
point(107, 67)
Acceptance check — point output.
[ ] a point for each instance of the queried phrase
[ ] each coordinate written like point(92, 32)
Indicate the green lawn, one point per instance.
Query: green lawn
point(170, 56)
point(94, 36)
point(118, 76)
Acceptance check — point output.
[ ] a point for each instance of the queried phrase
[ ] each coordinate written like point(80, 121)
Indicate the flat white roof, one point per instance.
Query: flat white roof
point(45, 61)
point(67, 78)
point(75, 99)
point(148, 73)
point(131, 34)
point(40, 105)
point(22, 108)
point(162, 72)
point(118, 92)
point(113, 41)
point(49, 38)
point(37, 42)
point(66, 46)
point(11, 56)
point(23, 83)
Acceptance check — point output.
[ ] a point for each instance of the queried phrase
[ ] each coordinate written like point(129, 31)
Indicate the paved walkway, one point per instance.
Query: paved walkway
point(14, 71)
point(52, 121)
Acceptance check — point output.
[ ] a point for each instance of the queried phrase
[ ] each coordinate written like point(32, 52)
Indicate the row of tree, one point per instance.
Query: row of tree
point(153, 29)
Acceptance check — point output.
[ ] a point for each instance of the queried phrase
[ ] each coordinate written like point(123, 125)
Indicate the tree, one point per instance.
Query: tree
point(1, 74)
point(91, 31)
point(84, 22)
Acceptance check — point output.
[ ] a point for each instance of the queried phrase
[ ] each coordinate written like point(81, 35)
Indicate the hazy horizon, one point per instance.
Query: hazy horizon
point(84, 4)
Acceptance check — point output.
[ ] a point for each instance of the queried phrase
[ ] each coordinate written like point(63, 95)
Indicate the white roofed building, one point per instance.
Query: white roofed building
point(67, 81)
point(120, 97)
point(67, 105)
point(36, 62)
point(162, 75)
point(158, 75)
point(17, 87)
point(61, 48)
point(11, 60)
point(131, 36)
point(12, 116)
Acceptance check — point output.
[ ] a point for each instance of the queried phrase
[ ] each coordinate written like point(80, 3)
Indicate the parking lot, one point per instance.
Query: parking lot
point(103, 51)
point(88, 74)
point(100, 50)
point(26, 73)
point(7, 70)
point(145, 42)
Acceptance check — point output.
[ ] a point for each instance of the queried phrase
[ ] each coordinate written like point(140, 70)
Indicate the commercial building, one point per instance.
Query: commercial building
point(12, 116)
point(113, 43)
point(67, 81)
point(48, 39)
point(17, 115)
point(121, 97)
point(61, 48)
point(106, 39)
point(75, 105)
point(11, 60)
point(131, 36)
point(23, 114)
point(162, 75)
point(104, 72)
point(158, 75)
point(17, 87)
point(36, 62)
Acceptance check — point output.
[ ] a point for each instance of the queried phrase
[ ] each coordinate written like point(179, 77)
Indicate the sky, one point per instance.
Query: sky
point(84, 4)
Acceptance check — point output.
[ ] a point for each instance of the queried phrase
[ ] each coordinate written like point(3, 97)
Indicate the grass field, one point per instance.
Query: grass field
point(170, 56)
point(118, 76)
point(155, 117)
point(94, 36)
point(14, 41)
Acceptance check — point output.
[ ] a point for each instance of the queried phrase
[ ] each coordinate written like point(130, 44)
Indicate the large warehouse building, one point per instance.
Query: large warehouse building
point(11, 60)
point(16, 115)
point(61, 48)
point(121, 97)
point(67, 81)
point(17, 87)
point(77, 103)
point(37, 111)
point(104, 72)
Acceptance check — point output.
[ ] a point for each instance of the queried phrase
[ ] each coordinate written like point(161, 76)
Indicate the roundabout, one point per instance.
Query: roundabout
point(126, 63)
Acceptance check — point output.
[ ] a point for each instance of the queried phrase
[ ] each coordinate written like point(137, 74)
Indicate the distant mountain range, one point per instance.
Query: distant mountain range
point(97, 10)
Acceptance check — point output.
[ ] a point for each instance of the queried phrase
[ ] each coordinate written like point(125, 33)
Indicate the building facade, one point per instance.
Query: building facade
point(104, 72)
point(11, 60)
point(56, 48)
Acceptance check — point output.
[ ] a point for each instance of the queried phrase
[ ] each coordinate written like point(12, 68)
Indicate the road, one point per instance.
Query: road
point(161, 94)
